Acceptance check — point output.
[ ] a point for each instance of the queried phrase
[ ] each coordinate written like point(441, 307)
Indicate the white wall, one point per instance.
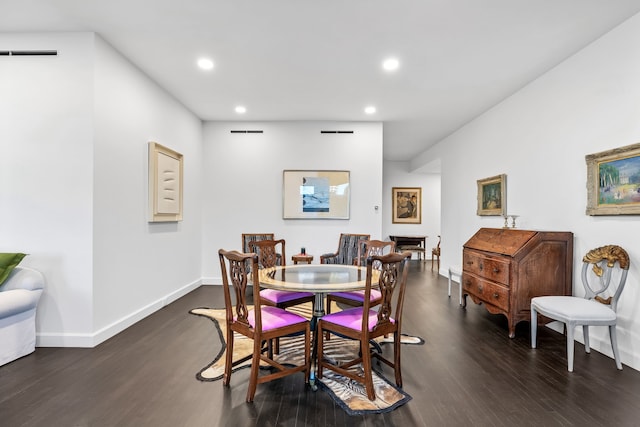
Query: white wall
point(47, 172)
point(74, 186)
point(539, 138)
point(397, 174)
point(242, 191)
point(139, 266)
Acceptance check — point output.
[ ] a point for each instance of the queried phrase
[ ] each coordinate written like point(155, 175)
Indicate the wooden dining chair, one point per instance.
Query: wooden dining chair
point(269, 256)
point(262, 324)
point(366, 249)
point(364, 324)
point(347, 252)
point(435, 253)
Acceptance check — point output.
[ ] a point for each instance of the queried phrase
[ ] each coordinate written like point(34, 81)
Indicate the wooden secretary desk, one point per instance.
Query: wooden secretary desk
point(504, 268)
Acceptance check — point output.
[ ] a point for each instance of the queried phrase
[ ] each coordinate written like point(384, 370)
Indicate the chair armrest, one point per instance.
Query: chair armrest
point(23, 278)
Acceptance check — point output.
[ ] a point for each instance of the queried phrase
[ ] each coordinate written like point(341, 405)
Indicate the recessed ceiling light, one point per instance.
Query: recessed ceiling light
point(370, 109)
point(240, 109)
point(205, 63)
point(391, 64)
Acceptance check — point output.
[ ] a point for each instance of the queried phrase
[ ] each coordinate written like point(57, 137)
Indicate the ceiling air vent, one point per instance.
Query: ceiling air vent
point(28, 52)
point(336, 131)
point(246, 131)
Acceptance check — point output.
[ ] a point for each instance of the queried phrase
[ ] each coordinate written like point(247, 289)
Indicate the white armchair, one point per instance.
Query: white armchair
point(19, 296)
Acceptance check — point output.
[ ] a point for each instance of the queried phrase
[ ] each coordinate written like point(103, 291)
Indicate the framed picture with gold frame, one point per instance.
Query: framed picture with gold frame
point(406, 205)
point(165, 184)
point(492, 196)
point(613, 181)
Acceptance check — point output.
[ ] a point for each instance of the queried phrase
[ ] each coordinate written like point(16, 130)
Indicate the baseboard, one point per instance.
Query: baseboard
point(212, 281)
point(93, 339)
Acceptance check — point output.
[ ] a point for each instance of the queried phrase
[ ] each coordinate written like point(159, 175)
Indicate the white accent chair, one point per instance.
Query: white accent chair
point(19, 296)
point(597, 308)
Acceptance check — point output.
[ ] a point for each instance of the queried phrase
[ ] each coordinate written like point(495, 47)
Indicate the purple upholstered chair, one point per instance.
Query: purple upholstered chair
point(366, 249)
point(269, 257)
point(363, 323)
point(261, 324)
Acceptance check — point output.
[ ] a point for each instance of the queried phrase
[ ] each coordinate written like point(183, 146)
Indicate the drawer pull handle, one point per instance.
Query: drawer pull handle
point(480, 288)
point(470, 262)
point(481, 267)
point(496, 270)
point(495, 295)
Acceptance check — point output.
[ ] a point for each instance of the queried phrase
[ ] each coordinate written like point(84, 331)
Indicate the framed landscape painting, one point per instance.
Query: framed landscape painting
point(613, 181)
point(492, 196)
point(407, 205)
point(315, 194)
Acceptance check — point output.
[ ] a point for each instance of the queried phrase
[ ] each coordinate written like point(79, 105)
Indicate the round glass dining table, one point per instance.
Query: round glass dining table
point(317, 278)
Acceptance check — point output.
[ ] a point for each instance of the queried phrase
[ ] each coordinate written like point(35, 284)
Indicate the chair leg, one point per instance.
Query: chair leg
point(449, 292)
point(319, 352)
point(570, 346)
point(228, 363)
point(614, 346)
point(255, 367)
point(534, 326)
point(397, 341)
point(585, 333)
point(368, 370)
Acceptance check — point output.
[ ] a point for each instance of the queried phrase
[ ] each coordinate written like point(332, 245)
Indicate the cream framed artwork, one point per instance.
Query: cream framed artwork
point(165, 184)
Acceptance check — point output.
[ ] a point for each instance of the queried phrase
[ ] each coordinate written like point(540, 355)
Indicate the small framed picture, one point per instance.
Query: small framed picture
point(492, 196)
point(407, 205)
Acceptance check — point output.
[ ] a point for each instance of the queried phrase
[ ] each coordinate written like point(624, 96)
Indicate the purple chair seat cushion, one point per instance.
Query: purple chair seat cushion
point(278, 297)
point(352, 318)
point(358, 295)
point(274, 317)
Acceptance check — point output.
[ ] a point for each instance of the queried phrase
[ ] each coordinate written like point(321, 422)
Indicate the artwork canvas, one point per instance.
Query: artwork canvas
point(492, 196)
point(315, 194)
point(407, 205)
point(165, 184)
point(613, 181)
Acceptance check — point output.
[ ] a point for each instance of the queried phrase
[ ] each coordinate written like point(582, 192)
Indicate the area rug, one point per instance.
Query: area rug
point(350, 395)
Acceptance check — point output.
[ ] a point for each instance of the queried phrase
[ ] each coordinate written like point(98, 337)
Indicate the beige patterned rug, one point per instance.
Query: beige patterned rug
point(350, 395)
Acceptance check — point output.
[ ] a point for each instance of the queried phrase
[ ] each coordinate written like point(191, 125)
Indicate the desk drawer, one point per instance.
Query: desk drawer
point(491, 293)
point(493, 269)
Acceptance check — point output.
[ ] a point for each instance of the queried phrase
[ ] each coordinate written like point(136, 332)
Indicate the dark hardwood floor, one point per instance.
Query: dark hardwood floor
point(468, 373)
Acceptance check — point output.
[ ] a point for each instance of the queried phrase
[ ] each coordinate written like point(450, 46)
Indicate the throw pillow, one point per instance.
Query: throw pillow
point(7, 263)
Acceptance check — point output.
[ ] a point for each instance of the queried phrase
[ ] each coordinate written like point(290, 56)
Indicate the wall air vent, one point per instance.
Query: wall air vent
point(28, 52)
point(336, 131)
point(246, 131)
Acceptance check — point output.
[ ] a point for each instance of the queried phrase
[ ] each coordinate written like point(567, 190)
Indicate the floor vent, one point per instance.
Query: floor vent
point(247, 131)
point(336, 131)
point(28, 52)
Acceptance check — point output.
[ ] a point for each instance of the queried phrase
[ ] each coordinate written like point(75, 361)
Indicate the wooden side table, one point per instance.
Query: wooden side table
point(302, 258)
